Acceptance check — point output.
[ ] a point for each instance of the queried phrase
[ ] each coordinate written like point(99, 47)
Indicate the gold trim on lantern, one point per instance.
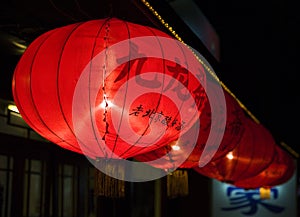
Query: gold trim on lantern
point(173, 32)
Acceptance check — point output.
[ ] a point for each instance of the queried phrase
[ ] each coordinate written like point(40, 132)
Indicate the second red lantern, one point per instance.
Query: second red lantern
point(278, 172)
point(252, 155)
point(184, 153)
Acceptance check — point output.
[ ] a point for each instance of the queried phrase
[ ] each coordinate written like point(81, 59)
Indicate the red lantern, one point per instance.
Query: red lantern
point(252, 155)
point(185, 154)
point(278, 172)
point(106, 87)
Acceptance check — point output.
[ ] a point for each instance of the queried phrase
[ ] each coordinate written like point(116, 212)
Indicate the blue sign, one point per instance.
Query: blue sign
point(230, 201)
point(249, 201)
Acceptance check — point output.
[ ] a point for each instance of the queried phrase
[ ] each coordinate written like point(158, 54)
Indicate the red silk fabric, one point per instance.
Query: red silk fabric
point(254, 153)
point(188, 155)
point(48, 73)
point(278, 172)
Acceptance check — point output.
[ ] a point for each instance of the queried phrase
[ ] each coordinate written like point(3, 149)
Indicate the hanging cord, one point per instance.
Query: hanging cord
point(105, 184)
point(105, 99)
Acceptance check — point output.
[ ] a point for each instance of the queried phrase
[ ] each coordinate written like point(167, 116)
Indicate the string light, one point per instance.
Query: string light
point(147, 4)
point(293, 152)
point(230, 155)
point(175, 147)
point(173, 32)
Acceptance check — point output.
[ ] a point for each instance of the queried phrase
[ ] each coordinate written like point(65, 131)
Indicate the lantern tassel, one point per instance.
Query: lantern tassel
point(106, 185)
point(177, 184)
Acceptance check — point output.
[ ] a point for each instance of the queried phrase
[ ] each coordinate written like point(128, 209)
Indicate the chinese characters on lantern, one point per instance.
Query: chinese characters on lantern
point(178, 83)
point(155, 116)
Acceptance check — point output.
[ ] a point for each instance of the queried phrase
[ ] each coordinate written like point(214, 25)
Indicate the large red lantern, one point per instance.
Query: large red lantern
point(278, 172)
point(184, 154)
point(253, 154)
point(109, 87)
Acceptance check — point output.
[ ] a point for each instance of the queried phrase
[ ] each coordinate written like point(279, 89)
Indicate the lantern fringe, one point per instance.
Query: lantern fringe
point(106, 185)
point(177, 184)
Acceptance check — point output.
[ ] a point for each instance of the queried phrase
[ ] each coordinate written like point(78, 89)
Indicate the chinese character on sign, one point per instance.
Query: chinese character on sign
point(249, 201)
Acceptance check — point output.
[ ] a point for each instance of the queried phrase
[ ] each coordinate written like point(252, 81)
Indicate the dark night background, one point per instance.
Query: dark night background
point(259, 57)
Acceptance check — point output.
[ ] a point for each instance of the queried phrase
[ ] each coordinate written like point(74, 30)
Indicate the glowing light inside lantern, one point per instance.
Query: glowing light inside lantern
point(229, 156)
point(175, 147)
point(105, 102)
